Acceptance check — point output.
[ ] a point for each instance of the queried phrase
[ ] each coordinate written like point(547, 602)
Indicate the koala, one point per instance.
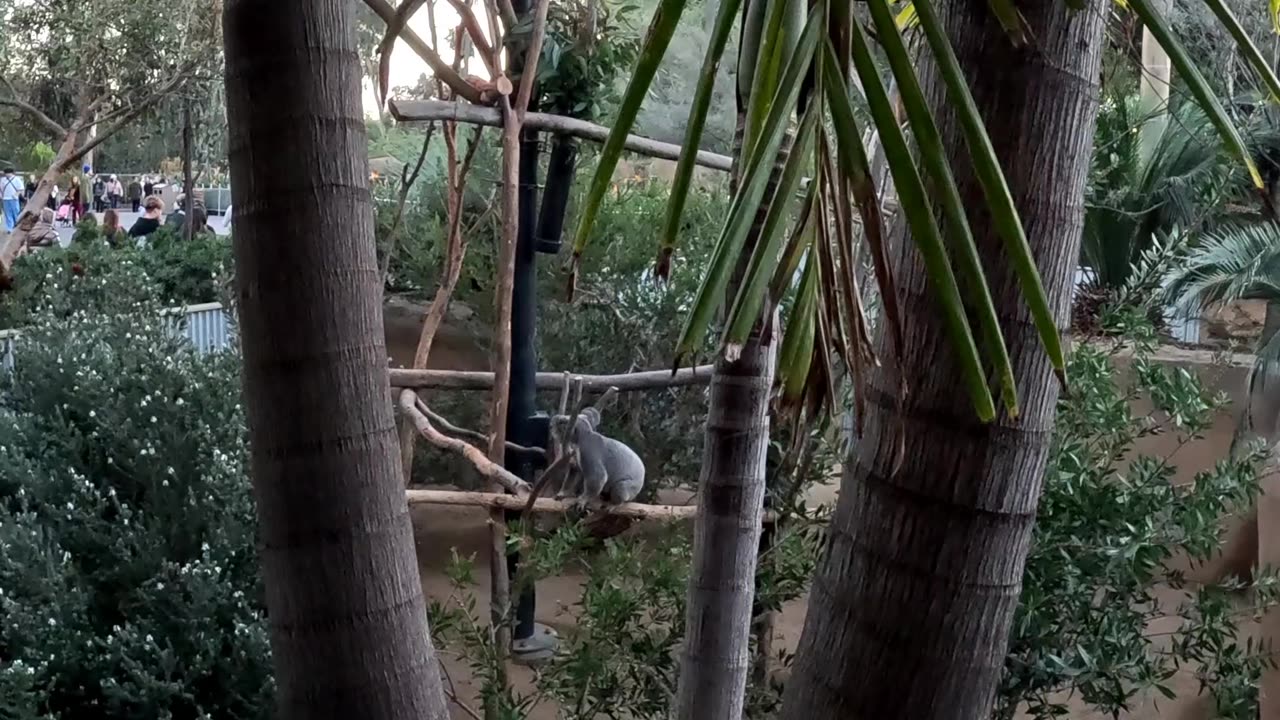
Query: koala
point(610, 470)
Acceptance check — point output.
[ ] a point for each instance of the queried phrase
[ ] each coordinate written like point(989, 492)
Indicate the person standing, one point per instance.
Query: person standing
point(99, 193)
point(11, 191)
point(149, 187)
point(135, 194)
point(75, 198)
point(115, 191)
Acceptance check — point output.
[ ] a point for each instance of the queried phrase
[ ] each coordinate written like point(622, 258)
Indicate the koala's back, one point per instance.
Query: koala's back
point(626, 472)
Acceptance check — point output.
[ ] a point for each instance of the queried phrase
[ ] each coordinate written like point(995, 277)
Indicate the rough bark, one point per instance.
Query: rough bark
point(348, 621)
point(910, 609)
point(716, 658)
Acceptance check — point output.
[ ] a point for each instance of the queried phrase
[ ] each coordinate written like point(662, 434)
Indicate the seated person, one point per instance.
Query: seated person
point(43, 234)
point(150, 220)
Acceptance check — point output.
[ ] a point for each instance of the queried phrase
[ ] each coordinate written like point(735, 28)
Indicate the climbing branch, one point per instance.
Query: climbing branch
point(434, 110)
point(444, 424)
point(485, 466)
point(14, 101)
point(625, 382)
point(503, 501)
point(442, 70)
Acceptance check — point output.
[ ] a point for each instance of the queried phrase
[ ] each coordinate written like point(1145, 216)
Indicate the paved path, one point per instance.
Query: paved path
point(126, 221)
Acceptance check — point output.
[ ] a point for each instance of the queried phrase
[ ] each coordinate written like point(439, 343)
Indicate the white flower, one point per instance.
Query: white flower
point(52, 622)
point(93, 413)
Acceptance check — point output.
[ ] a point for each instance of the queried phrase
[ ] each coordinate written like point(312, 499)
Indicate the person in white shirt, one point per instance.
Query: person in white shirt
point(12, 189)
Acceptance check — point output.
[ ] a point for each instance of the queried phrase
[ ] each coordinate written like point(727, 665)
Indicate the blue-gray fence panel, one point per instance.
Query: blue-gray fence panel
point(208, 327)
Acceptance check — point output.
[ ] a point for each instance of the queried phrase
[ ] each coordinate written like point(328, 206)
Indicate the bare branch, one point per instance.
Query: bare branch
point(475, 435)
point(472, 25)
point(502, 501)
point(434, 110)
point(534, 53)
point(485, 466)
point(441, 69)
point(407, 179)
point(625, 382)
point(14, 101)
point(140, 107)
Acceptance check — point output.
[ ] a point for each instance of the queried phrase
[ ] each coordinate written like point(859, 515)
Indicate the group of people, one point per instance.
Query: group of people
point(45, 234)
point(106, 192)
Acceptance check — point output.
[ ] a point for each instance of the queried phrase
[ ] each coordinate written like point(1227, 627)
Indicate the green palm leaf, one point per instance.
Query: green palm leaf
point(1247, 48)
point(680, 184)
point(933, 157)
point(796, 354)
point(751, 190)
point(1004, 215)
point(661, 28)
point(914, 203)
point(1196, 83)
point(751, 293)
point(1233, 262)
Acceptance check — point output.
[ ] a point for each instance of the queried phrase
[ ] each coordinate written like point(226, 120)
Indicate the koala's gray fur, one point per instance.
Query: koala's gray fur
point(611, 471)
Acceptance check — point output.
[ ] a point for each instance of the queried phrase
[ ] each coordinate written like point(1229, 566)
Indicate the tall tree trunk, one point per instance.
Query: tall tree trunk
point(716, 658)
point(188, 182)
point(348, 622)
point(911, 608)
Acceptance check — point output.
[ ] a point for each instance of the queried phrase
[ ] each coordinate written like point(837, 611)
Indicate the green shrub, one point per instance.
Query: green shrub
point(91, 277)
point(1109, 524)
point(127, 561)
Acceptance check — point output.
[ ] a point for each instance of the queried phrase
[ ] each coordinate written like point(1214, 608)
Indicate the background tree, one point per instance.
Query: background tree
point(90, 70)
point(911, 607)
point(348, 621)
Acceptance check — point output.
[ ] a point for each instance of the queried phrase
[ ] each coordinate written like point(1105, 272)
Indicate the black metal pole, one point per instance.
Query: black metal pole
point(523, 426)
point(522, 404)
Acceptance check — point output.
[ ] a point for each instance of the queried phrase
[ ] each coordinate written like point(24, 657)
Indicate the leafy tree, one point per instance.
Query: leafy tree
point(89, 70)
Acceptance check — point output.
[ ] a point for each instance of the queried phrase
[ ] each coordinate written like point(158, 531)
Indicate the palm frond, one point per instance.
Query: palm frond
point(1233, 262)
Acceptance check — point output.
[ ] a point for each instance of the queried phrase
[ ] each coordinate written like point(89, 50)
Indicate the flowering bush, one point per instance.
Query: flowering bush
point(128, 576)
point(91, 276)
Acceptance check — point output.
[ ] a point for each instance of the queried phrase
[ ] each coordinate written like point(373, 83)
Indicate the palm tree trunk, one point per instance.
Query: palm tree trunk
point(349, 634)
point(716, 658)
point(911, 608)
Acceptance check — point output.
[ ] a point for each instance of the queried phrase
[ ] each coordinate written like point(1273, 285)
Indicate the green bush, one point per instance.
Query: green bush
point(1109, 524)
point(128, 572)
point(90, 276)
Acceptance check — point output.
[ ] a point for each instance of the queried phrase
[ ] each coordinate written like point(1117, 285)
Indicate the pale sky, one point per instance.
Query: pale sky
point(406, 66)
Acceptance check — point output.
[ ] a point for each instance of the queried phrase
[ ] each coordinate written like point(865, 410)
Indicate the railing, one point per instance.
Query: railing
point(208, 327)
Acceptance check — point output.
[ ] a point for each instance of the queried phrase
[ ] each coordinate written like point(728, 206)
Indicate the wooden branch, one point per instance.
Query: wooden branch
point(626, 382)
point(532, 55)
point(475, 435)
point(49, 123)
point(441, 69)
point(127, 118)
point(483, 48)
point(432, 110)
point(502, 501)
point(486, 467)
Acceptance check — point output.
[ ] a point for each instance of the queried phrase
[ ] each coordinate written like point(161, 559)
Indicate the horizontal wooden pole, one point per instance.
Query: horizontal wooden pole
point(638, 511)
point(625, 382)
point(437, 110)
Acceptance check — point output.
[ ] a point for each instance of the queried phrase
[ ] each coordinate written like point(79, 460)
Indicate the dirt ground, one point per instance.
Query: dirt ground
point(440, 530)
